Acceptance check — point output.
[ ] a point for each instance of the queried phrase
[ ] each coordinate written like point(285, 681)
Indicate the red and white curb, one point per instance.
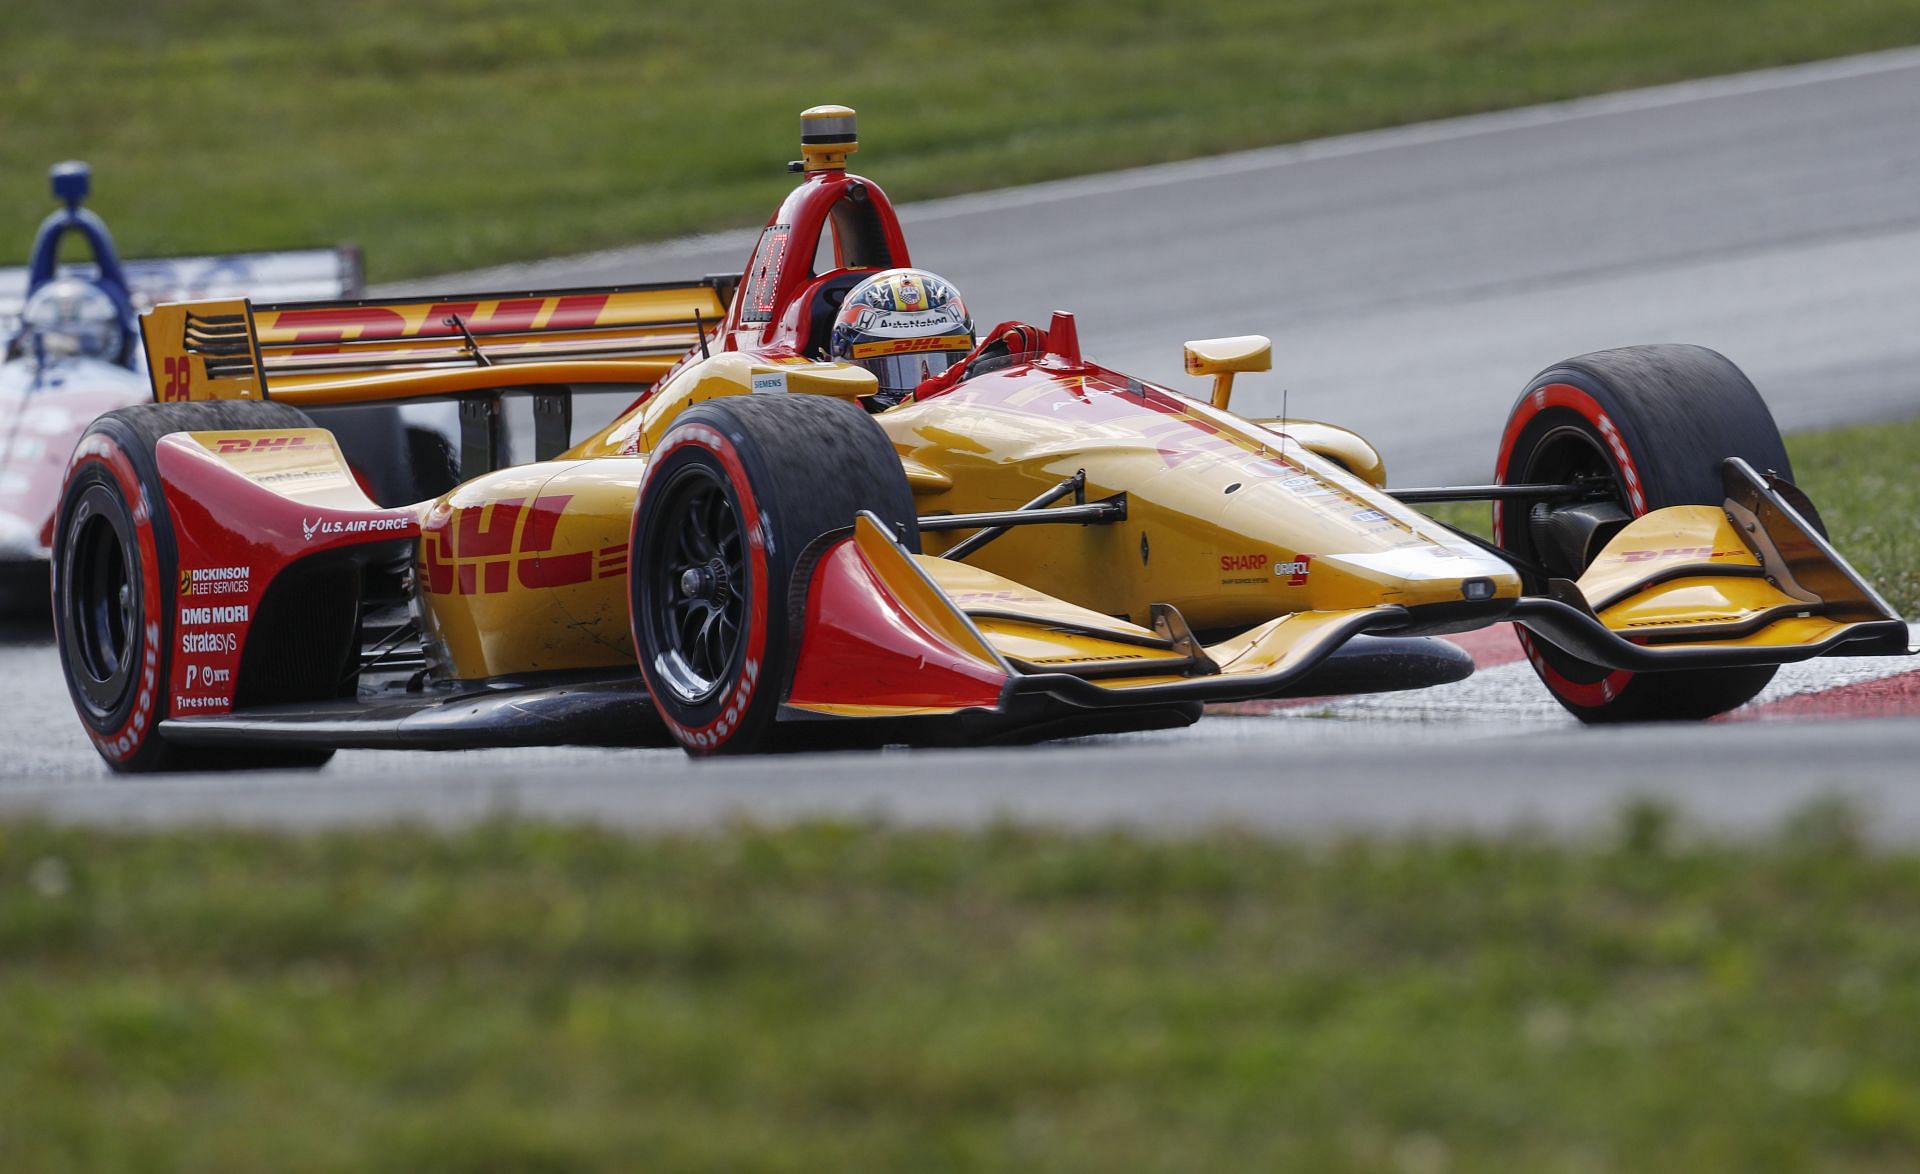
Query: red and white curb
point(1504, 690)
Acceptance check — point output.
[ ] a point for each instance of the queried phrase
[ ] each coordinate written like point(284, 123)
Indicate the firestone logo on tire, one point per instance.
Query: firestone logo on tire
point(130, 735)
point(717, 733)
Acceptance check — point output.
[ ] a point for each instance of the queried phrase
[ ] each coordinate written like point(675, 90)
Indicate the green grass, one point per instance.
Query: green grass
point(522, 997)
point(1866, 484)
point(450, 133)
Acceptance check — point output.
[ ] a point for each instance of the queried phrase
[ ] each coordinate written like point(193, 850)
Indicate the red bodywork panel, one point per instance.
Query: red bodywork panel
point(863, 648)
point(768, 310)
point(233, 537)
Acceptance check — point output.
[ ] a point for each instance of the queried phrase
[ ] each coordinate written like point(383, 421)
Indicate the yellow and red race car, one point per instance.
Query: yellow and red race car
point(781, 543)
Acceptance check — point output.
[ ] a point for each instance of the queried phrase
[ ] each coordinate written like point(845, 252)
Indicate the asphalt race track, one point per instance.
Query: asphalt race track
point(1412, 281)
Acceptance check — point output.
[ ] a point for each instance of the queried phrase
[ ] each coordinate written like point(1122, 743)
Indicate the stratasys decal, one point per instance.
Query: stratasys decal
point(192, 643)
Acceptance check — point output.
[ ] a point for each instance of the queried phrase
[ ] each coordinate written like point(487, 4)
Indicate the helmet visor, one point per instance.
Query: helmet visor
point(903, 373)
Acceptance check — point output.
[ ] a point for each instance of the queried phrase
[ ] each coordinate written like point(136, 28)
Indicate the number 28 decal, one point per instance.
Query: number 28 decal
point(178, 387)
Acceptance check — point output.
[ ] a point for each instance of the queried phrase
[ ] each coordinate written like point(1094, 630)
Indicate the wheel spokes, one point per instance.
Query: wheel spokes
point(697, 575)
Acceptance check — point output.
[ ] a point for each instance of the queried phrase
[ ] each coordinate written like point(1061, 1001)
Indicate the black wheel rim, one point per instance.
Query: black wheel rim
point(697, 585)
point(103, 601)
point(1562, 456)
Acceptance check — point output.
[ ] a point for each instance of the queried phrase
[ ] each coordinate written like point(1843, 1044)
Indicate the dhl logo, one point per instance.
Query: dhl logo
point(487, 550)
point(1673, 552)
point(905, 346)
point(421, 320)
point(237, 444)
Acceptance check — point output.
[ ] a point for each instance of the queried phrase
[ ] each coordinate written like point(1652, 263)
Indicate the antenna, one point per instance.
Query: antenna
point(1283, 420)
point(700, 328)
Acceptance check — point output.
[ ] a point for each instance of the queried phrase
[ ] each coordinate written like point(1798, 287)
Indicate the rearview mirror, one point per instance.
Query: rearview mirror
point(1223, 357)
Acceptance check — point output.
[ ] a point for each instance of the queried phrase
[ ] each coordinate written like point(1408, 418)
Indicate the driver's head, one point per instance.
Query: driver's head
point(903, 325)
point(73, 316)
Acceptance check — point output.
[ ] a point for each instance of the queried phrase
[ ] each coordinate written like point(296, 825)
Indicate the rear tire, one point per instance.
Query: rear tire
point(115, 586)
point(737, 491)
point(1657, 420)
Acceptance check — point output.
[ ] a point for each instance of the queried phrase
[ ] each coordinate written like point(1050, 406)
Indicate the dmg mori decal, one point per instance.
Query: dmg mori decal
point(491, 549)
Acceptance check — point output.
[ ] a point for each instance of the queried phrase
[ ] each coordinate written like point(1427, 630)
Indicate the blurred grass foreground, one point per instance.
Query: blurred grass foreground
point(447, 134)
point(519, 997)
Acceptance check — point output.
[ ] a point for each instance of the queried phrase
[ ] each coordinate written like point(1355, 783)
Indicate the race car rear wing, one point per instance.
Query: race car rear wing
point(474, 348)
point(319, 353)
point(286, 275)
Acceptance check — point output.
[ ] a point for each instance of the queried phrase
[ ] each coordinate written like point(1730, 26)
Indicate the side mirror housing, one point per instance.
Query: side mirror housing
point(1223, 358)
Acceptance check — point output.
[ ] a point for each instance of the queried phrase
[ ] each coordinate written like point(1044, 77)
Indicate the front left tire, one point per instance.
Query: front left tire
point(115, 589)
point(737, 491)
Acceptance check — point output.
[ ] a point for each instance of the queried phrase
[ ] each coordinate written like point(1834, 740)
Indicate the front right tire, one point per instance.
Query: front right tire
point(1654, 423)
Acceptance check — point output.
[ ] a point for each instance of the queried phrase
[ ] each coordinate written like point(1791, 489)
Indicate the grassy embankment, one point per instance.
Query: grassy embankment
point(1863, 481)
point(445, 134)
point(841, 998)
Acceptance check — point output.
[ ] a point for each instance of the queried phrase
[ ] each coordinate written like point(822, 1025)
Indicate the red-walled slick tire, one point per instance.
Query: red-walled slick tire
point(1657, 421)
point(115, 589)
point(736, 492)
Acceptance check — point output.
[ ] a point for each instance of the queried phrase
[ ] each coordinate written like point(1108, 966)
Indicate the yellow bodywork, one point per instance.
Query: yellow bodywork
point(1260, 534)
point(1685, 573)
point(301, 464)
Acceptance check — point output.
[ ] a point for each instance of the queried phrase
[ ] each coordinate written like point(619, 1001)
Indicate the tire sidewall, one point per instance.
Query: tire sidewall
point(1556, 403)
point(1656, 463)
point(109, 455)
point(747, 696)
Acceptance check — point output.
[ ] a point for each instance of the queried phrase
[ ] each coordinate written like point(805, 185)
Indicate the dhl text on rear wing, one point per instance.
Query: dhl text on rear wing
point(320, 353)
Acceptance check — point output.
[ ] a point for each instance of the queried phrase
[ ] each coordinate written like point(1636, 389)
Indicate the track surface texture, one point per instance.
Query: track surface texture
point(1413, 280)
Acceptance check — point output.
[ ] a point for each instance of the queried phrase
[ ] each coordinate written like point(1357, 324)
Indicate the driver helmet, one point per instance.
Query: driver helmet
point(73, 316)
point(904, 325)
